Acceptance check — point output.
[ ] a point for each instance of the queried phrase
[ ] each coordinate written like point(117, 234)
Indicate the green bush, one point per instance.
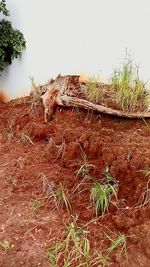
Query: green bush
point(12, 41)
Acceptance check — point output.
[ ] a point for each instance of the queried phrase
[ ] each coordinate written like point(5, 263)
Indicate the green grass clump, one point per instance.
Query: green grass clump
point(128, 86)
point(101, 196)
point(102, 193)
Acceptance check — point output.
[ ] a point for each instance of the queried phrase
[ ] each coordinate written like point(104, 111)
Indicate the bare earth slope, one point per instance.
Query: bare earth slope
point(35, 157)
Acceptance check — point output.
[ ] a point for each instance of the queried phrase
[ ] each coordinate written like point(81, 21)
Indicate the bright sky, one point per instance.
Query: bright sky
point(77, 36)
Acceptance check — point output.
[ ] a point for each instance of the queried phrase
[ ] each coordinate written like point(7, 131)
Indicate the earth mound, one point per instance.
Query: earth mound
point(72, 151)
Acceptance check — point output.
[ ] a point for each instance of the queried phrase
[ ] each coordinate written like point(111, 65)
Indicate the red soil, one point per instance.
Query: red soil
point(3, 97)
point(121, 144)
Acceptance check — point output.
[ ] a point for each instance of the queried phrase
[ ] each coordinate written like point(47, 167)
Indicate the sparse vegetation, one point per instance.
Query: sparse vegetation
point(101, 197)
point(145, 196)
point(85, 167)
point(108, 178)
point(69, 249)
point(10, 132)
point(48, 187)
point(25, 139)
point(93, 91)
point(103, 192)
point(120, 242)
point(5, 244)
point(101, 260)
point(145, 122)
point(130, 90)
point(35, 204)
point(129, 156)
point(43, 186)
point(35, 88)
point(74, 249)
point(60, 197)
point(84, 171)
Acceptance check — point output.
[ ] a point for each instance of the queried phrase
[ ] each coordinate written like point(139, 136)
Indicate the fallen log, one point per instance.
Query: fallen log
point(69, 101)
point(63, 92)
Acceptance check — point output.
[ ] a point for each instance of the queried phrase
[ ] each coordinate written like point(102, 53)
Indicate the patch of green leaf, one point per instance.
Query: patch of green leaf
point(12, 41)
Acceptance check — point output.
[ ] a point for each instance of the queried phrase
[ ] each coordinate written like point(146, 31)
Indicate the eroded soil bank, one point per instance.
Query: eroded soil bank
point(35, 157)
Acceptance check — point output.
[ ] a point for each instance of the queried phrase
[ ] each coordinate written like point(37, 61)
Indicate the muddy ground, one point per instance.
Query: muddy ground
point(35, 158)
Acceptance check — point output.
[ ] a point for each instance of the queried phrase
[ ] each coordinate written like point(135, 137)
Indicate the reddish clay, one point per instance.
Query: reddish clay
point(31, 150)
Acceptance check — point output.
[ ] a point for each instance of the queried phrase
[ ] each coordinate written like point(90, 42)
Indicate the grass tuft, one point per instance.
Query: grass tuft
point(84, 170)
point(100, 198)
point(102, 193)
point(128, 86)
point(85, 167)
point(61, 198)
point(120, 242)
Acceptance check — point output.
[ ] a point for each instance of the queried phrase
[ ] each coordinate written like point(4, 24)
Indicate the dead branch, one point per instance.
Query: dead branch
point(81, 103)
point(68, 88)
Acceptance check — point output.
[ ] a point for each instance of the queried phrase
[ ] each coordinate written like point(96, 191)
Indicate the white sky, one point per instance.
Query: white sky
point(74, 36)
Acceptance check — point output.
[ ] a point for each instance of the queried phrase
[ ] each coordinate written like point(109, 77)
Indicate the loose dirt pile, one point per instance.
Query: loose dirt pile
point(35, 158)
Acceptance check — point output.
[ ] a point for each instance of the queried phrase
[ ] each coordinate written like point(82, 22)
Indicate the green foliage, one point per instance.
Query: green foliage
point(3, 8)
point(12, 41)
